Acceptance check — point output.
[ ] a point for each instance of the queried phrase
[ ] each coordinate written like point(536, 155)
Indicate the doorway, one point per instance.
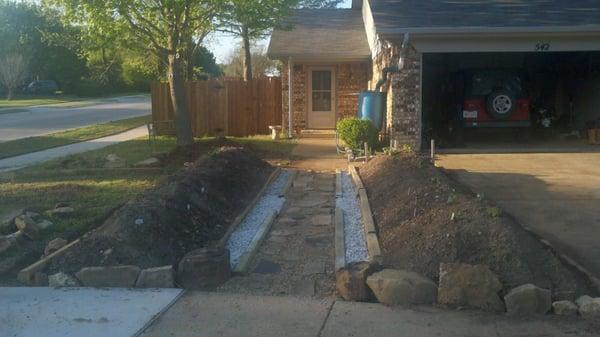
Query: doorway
point(321, 98)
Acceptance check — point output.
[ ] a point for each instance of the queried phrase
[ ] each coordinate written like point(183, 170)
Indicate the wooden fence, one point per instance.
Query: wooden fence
point(231, 106)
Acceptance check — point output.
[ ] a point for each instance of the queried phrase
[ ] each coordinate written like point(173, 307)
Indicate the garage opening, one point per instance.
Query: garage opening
point(511, 100)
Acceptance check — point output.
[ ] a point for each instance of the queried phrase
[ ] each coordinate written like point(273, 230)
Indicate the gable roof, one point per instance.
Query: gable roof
point(395, 16)
point(321, 34)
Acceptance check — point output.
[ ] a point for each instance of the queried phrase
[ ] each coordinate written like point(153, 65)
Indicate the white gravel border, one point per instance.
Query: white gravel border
point(240, 239)
point(354, 232)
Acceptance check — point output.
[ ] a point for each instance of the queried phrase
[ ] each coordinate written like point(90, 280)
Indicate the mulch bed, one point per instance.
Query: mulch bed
point(193, 208)
point(413, 205)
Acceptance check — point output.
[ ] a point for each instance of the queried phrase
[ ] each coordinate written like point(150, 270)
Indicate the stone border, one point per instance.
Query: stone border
point(373, 247)
point(240, 218)
point(340, 240)
point(244, 263)
point(27, 274)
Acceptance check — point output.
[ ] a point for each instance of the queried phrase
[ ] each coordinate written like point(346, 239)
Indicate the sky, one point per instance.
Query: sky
point(222, 44)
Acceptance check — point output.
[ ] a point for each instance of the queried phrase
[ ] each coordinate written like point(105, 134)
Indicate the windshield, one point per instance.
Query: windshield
point(483, 83)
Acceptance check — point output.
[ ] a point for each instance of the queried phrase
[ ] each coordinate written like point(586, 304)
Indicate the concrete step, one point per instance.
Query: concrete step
point(311, 133)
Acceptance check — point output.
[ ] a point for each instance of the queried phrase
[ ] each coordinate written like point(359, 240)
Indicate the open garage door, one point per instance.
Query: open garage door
point(516, 100)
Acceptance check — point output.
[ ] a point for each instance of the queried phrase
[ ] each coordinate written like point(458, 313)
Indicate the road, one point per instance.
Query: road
point(556, 195)
point(42, 120)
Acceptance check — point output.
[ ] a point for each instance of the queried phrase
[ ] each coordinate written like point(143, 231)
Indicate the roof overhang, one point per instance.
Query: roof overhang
point(312, 58)
point(500, 39)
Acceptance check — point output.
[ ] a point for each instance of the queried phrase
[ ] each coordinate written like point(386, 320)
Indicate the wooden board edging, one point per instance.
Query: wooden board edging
point(27, 274)
point(246, 259)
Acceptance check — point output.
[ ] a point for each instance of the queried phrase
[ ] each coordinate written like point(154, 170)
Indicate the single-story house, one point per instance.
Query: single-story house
point(330, 55)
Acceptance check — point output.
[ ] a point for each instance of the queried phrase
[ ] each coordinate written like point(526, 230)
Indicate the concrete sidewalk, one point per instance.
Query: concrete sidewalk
point(234, 315)
point(15, 163)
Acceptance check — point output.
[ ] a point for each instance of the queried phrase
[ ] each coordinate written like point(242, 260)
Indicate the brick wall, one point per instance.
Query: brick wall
point(350, 79)
point(403, 118)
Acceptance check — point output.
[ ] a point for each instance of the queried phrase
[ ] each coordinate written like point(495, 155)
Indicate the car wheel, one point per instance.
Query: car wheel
point(501, 104)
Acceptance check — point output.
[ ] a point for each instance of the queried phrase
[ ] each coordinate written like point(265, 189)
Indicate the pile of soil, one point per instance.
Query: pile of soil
point(424, 218)
point(191, 209)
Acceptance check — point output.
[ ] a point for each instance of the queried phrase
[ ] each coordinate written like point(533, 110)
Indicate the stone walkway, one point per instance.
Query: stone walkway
point(297, 256)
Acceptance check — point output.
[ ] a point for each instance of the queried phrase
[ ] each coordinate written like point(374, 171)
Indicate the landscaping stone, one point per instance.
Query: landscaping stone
point(5, 243)
point(474, 286)
point(528, 299)
point(564, 308)
point(313, 267)
point(265, 266)
point(62, 280)
point(44, 224)
point(111, 276)
point(27, 226)
point(33, 215)
point(392, 287)
point(204, 268)
point(114, 161)
point(160, 277)
point(304, 288)
point(61, 211)
point(54, 245)
point(147, 162)
point(351, 281)
point(589, 307)
point(61, 205)
point(8, 219)
point(40, 279)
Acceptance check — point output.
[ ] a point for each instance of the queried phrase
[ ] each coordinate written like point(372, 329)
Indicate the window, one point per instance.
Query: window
point(321, 90)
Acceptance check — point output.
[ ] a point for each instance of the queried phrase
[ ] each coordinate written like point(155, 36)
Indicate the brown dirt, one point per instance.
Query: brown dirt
point(413, 203)
point(190, 210)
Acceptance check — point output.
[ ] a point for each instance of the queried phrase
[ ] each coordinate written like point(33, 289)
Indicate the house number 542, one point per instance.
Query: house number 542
point(542, 46)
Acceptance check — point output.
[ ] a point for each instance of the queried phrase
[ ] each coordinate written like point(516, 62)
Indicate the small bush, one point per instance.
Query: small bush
point(355, 132)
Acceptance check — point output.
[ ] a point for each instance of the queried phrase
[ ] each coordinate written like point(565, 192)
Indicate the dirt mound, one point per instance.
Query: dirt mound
point(194, 207)
point(424, 218)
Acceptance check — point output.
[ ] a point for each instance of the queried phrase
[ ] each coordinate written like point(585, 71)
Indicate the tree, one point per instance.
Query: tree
point(251, 20)
point(169, 29)
point(204, 64)
point(13, 72)
point(261, 64)
point(320, 3)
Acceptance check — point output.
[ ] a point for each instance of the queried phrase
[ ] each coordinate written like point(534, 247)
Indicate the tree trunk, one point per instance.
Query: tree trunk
point(10, 93)
point(183, 125)
point(189, 62)
point(247, 55)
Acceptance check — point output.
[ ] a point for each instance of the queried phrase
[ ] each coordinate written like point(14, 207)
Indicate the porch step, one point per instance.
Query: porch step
point(310, 133)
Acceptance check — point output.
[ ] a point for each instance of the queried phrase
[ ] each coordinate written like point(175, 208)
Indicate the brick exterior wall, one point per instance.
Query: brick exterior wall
point(350, 79)
point(403, 118)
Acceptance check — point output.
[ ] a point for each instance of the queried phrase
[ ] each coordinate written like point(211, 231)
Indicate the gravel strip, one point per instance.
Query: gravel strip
point(240, 239)
point(354, 233)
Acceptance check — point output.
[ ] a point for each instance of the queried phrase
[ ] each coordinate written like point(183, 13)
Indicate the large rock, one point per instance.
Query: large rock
point(27, 226)
point(589, 307)
point(60, 211)
point(112, 276)
point(351, 282)
point(114, 161)
point(204, 268)
point(62, 280)
point(474, 286)
point(404, 287)
point(564, 308)
point(150, 162)
point(160, 277)
point(528, 299)
point(54, 245)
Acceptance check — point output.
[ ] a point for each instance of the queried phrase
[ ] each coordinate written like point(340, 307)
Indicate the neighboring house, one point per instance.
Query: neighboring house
point(333, 54)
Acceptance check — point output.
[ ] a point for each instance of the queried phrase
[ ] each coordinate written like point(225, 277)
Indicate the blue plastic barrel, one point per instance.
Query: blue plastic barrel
point(371, 106)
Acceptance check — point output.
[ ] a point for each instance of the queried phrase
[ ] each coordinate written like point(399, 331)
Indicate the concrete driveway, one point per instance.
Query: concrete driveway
point(42, 120)
point(557, 195)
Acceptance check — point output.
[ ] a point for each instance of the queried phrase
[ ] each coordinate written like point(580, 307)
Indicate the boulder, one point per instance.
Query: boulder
point(147, 162)
point(474, 286)
point(5, 243)
point(160, 277)
point(62, 280)
point(8, 219)
point(27, 226)
point(44, 224)
point(392, 287)
point(204, 268)
point(110, 277)
point(61, 211)
point(114, 161)
point(589, 307)
point(351, 282)
point(528, 299)
point(54, 245)
point(564, 308)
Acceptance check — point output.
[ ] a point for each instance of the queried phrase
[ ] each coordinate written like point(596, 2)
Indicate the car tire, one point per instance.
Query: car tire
point(501, 104)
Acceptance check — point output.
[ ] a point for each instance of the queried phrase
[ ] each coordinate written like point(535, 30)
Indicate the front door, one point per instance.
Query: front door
point(321, 98)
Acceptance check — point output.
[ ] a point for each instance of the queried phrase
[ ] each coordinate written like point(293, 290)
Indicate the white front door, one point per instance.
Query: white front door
point(321, 98)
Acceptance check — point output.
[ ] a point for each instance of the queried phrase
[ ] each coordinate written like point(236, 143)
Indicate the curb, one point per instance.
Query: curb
point(373, 246)
point(244, 263)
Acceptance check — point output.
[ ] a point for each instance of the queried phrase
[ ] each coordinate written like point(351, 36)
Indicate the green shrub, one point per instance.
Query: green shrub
point(355, 132)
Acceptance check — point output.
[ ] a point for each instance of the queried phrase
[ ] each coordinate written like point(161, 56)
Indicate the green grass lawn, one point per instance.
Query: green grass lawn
point(38, 143)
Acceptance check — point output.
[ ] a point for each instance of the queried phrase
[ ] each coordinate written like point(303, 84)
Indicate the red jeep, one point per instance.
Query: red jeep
point(494, 98)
